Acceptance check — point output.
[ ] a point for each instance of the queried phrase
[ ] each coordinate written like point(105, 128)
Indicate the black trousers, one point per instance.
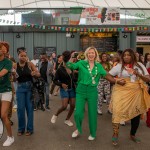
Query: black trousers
point(134, 125)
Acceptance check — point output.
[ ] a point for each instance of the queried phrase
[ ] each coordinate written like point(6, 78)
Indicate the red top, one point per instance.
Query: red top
point(129, 65)
point(148, 70)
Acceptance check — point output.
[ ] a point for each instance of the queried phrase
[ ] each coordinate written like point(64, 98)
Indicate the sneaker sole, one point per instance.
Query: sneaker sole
point(69, 125)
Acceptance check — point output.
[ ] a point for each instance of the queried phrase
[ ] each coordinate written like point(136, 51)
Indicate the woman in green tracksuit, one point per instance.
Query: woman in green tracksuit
point(89, 73)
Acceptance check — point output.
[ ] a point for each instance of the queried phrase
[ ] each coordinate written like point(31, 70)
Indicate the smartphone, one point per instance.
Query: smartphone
point(75, 55)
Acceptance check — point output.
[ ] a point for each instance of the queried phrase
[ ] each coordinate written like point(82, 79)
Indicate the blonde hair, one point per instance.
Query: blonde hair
point(96, 53)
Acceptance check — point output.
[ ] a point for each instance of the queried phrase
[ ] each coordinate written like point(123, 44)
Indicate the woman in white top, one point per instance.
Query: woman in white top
point(132, 99)
point(147, 60)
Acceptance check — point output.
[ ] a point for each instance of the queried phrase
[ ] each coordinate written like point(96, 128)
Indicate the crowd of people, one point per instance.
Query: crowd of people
point(120, 80)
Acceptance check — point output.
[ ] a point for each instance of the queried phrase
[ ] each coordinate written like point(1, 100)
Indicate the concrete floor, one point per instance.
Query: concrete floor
point(58, 137)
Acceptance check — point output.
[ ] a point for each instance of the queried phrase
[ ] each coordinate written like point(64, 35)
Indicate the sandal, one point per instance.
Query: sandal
point(115, 140)
point(20, 133)
point(28, 133)
point(134, 139)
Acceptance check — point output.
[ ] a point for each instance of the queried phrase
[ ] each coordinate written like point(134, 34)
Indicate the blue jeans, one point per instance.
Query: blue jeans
point(24, 102)
point(15, 87)
point(47, 92)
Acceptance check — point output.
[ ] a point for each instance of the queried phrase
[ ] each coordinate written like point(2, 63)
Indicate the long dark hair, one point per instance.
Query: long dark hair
point(107, 61)
point(133, 59)
point(145, 58)
point(66, 56)
point(102, 56)
point(140, 59)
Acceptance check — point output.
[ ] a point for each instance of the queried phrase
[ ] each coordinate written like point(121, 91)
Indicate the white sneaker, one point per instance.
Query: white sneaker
point(69, 123)
point(122, 123)
point(56, 93)
point(75, 134)
point(99, 112)
point(15, 106)
point(105, 101)
point(54, 118)
point(9, 141)
point(90, 138)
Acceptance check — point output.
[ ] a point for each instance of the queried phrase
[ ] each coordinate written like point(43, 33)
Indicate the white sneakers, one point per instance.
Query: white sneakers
point(56, 93)
point(105, 101)
point(99, 112)
point(122, 123)
point(90, 138)
point(75, 134)
point(15, 106)
point(54, 118)
point(69, 123)
point(9, 141)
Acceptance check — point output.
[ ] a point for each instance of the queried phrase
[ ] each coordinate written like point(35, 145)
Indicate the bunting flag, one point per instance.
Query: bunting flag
point(75, 13)
point(84, 29)
point(9, 22)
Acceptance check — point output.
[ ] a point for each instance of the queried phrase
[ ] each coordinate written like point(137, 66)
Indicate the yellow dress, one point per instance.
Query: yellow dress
point(129, 101)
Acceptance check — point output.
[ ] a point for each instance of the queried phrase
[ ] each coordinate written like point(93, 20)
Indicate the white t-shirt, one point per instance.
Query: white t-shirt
point(35, 62)
point(148, 65)
point(117, 71)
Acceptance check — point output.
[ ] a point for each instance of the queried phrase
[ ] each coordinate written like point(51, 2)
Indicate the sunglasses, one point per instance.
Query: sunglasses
point(21, 50)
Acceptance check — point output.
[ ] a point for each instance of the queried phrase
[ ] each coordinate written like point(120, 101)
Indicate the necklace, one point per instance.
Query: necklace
point(22, 66)
point(93, 76)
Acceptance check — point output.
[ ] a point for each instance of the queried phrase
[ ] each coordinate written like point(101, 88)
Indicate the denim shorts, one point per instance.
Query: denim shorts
point(69, 93)
point(6, 96)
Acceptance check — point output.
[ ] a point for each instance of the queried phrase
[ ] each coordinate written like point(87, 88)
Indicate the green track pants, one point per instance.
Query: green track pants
point(87, 94)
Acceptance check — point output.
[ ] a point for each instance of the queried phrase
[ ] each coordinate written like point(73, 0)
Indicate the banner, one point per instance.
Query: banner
point(100, 35)
point(101, 16)
point(143, 39)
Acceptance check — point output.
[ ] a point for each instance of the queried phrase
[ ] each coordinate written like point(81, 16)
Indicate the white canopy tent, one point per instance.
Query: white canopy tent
point(73, 3)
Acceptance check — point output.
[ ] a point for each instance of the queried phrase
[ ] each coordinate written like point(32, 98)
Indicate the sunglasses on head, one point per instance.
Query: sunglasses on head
point(21, 50)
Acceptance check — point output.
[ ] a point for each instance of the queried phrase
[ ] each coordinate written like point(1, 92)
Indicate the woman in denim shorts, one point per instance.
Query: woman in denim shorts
point(5, 91)
point(65, 79)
